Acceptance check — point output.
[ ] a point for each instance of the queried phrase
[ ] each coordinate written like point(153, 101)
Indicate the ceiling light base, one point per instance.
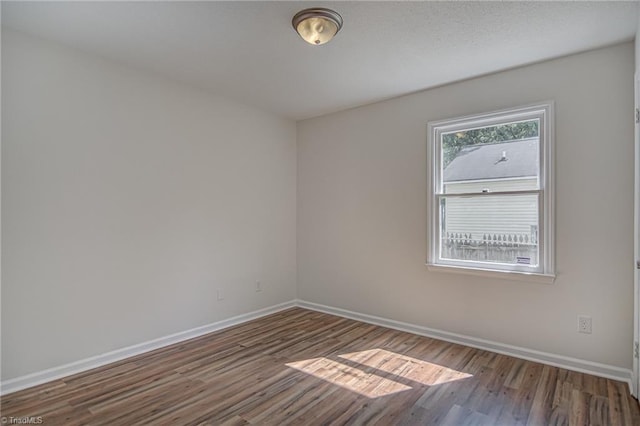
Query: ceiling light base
point(317, 25)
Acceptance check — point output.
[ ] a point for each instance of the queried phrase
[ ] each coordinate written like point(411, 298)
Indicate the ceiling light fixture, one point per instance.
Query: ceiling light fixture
point(317, 25)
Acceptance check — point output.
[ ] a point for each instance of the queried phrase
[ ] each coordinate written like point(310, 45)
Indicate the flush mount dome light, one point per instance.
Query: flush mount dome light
point(317, 25)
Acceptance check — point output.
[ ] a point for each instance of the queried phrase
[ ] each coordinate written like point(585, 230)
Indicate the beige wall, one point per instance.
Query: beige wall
point(127, 201)
point(362, 211)
point(637, 44)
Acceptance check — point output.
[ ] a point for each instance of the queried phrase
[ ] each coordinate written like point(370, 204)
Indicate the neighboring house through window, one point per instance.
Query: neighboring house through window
point(491, 193)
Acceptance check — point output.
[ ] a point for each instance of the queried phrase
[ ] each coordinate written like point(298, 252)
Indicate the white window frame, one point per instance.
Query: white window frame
point(545, 272)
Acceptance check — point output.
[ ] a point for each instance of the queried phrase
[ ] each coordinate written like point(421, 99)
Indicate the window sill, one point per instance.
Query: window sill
point(495, 273)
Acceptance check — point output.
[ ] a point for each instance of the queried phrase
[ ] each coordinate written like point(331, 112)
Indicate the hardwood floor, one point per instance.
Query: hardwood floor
point(304, 367)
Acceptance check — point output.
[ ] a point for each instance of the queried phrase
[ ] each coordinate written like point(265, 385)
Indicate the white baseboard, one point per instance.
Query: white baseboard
point(39, 377)
point(574, 364)
point(602, 370)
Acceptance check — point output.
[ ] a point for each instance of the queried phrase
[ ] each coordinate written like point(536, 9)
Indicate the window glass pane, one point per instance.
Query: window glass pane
point(485, 228)
point(491, 159)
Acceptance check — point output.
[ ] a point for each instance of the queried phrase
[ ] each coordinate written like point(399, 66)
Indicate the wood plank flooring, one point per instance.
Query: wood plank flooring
point(302, 367)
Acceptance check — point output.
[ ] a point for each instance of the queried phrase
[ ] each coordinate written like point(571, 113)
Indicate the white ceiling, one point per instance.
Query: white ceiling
point(248, 51)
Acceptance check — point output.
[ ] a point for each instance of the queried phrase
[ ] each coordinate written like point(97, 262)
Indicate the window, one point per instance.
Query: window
point(490, 186)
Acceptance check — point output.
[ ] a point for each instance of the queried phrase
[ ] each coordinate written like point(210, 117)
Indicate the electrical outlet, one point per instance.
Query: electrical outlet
point(584, 324)
point(220, 294)
point(258, 286)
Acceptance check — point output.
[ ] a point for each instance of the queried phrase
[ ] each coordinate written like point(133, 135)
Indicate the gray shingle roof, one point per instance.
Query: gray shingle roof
point(485, 161)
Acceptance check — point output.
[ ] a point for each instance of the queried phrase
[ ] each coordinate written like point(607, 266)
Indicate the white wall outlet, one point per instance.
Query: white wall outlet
point(584, 324)
point(220, 294)
point(258, 286)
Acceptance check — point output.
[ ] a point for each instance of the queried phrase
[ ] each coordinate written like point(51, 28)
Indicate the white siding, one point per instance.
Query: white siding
point(492, 185)
point(491, 214)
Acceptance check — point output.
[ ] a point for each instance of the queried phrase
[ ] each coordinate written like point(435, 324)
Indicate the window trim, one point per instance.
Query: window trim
point(544, 111)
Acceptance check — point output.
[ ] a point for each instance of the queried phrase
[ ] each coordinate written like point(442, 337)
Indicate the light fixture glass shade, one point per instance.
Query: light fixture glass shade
point(317, 26)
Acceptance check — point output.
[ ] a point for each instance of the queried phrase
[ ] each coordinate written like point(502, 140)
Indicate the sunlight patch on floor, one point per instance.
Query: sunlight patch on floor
point(358, 372)
point(405, 366)
point(367, 384)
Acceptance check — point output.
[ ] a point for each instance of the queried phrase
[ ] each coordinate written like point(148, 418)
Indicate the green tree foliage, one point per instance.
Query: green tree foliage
point(452, 143)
